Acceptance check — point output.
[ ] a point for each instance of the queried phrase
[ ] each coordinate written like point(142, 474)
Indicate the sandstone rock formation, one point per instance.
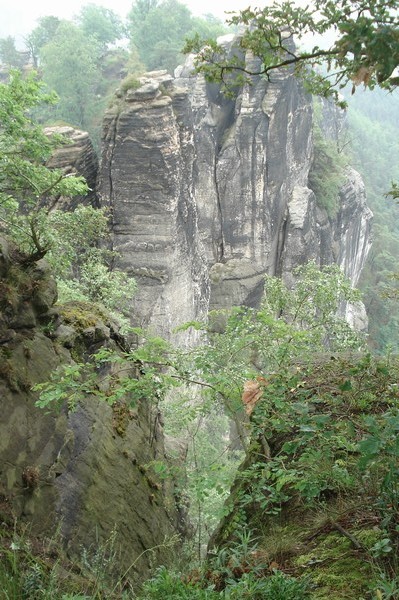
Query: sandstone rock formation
point(77, 157)
point(81, 474)
point(209, 193)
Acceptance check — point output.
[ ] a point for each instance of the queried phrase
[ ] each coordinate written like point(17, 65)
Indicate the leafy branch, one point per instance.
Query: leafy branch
point(365, 47)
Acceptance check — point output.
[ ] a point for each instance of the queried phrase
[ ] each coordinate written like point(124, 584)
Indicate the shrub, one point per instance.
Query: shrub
point(130, 82)
point(167, 584)
point(278, 586)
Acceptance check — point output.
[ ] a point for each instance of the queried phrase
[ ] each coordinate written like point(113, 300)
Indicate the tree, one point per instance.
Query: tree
point(70, 66)
point(9, 55)
point(290, 326)
point(159, 36)
point(100, 23)
point(158, 30)
point(25, 181)
point(365, 49)
point(27, 185)
point(41, 35)
point(139, 12)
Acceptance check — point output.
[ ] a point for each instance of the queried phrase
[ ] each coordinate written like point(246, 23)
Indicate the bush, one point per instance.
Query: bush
point(327, 173)
point(167, 584)
point(130, 82)
point(278, 586)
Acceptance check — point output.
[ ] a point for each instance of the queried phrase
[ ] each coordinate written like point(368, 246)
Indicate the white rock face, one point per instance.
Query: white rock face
point(209, 194)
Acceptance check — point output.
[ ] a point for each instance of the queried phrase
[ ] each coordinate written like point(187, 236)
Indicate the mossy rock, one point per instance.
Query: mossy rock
point(82, 315)
point(335, 568)
point(15, 287)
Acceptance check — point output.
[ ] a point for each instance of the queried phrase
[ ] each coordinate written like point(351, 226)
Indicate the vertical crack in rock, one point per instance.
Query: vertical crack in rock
point(114, 130)
point(227, 201)
point(219, 243)
point(281, 245)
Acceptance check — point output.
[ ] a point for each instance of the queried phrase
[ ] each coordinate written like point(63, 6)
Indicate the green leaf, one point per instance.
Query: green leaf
point(346, 386)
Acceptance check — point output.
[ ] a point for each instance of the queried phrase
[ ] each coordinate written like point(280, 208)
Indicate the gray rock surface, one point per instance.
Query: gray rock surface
point(209, 194)
point(78, 476)
point(77, 156)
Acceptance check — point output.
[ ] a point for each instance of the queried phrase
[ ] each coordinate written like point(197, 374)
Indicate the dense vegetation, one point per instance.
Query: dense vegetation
point(314, 509)
point(373, 136)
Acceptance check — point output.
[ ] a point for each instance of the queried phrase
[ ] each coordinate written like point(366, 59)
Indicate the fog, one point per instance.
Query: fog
point(18, 17)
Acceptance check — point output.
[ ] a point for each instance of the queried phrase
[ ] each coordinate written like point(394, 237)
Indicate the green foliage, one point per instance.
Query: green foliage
point(167, 584)
point(9, 55)
point(290, 325)
point(325, 437)
point(25, 181)
point(70, 387)
point(327, 173)
point(130, 377)
point(101, 24)
point(278, 586)
point(32, 568)
point(387, 588)
point(41, 35)
point(27, 187)
point(158, 30)
point(82, 267)
point(365, 47)
point(26, 576)
point(374, 135)
point(78, 61)
point(70, 66)
point(130, 82)
point(209, 467)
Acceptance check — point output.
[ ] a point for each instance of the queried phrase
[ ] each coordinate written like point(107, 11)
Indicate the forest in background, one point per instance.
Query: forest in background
point(86, 59)
point(320, 469)
point(373, 137)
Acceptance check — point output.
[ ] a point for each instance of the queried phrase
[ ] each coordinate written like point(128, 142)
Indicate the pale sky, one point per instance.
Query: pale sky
point(18, 17)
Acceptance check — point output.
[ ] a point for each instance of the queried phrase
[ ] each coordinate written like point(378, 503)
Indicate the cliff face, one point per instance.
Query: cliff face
point(83, 474)
point(146, 179)
point(76, 156)
point(209, 194)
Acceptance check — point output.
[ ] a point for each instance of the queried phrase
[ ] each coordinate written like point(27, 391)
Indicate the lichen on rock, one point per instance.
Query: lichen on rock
point(75, 472)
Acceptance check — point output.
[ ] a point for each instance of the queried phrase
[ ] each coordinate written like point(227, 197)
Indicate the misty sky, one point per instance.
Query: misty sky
point(18, 17)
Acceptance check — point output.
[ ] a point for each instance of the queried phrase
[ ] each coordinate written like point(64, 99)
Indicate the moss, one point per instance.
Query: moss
point(165, 91)
point(5, 353)
point(121, 417)
point(18, 285)
point(7, 373)
point(335, 568)
point(82, 315)
point(368, 537)
point(78, 351)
